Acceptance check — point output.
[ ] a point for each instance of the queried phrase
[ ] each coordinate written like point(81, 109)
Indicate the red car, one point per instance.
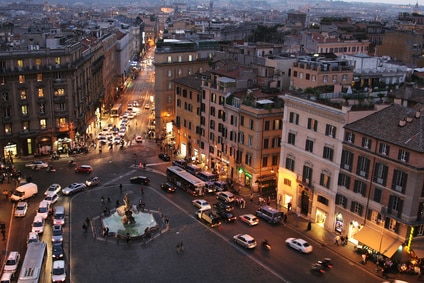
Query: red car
point(84, 169)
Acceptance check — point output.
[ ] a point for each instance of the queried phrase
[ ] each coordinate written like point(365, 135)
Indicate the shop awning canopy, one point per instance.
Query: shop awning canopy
point(380, 241)
point(418, 249)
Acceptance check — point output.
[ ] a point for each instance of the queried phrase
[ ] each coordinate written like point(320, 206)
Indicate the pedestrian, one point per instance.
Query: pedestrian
point(3, 233)
point(269, 201)
point(342, 239)
point(108, 200)
point(309, 226)
point(364, 260)
point(178, 248)
point(142, 190)
point(181, 246)
point(117, 203)
point(120, 188)
point(102, 200)
point(289, 205)
point(84, 227)
point(87, 221)
point(128, 238)
point(251, 197)
point(337, 239)
point(285, 218)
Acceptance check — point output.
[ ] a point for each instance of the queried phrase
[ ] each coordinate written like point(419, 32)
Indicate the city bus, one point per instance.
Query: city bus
point(116, 110)
point(32, 265)
point(185, 181)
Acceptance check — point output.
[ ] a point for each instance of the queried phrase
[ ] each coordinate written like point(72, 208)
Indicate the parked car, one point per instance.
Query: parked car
point(249, 219)
point(51, 199)
point(201, 204)
point(83, 169)
point(57, 233)
point(299, 245)
point(37, 164)
point(59, 271)
point(227, 216)
point(245, 240)
point(168, 187)
point(12, 262)
point(141, 180)
point(73, 188)
point(57, 250)
point(94, 181)
point(164, 157)
point(21, 209)
point(38, 224)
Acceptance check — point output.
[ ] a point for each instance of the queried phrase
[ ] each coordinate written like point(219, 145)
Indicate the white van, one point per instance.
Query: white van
point(23, 192)
point(6, 277)
point(59, 215)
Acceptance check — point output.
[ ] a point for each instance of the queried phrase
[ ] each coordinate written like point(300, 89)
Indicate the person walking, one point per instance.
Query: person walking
point(178, 248)
point(120, 188)
point(102, 200)
point(181, 246)
point(128, 238)
point(251, 197)
point(337, 239)
point(142, 190)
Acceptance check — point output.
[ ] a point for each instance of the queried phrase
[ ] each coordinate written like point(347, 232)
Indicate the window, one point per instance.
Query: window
point(366, 143)
point(356, 208)
point(20, 63)
point(330, 131)
point(265, 161)
point(278, 125)
point(384, 149)
point(399, 181)
point(291, 139)
point(266, 143)
point(250, 140)
point(248, 159)
point(328, 153)
point(314, 78)
point(325, 78)
point(363, 166)
point(57, 60)
point(344, 77)
point(25, 126)
point(190, 57)
point(347, 160)
point(251, 123)
point(21, 79)
point(59, 92)
point(324, 180)
point(212, 112)
point(241, 138)
point(169, 59)
point(180, 72)
point(8, 129)
point(350, 137)
point(42, 109)
point(377, 195)
point(213, 98)
point(39, 77)
point(395, 204)
point(169, 73)
point(403, 155)
point(312, 124)
point(294, 118)
point(212, 124)
point(341, 200)
point(309, 146)
point(6, 112)
point(23, 94)
point(307, 175)
point(290, 164)
point(40, 92)
point(360, 187)
point(344, 180)
point(180, 58)
point(211, 149)
point(322, 200)
point(276, 142)
point(287, 182)
point(267, 125)
point(380, 173)
point(43, 124)
point(24, 110)
point(274, 161)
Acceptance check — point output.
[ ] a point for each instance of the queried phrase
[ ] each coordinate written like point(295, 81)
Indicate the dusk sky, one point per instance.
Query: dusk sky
point(404, 2)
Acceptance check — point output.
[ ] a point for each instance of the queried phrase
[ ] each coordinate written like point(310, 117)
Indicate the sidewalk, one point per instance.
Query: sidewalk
point(325, 238)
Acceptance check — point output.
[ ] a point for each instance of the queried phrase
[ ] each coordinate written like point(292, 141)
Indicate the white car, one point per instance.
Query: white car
point(21, 209)
point(299, 245)
point(94, 181)
point(121, 133)
point(225, 197)
point(73, 188)
point(249, 219)
point(43, 209)
point(135, 104)
point(38, 224)
point(201, 204)
point(32, 238)
point(51, 199)
point(12, 262)
point(245, 240)
point(59, 271)
point(53, 189)
point(38, 164)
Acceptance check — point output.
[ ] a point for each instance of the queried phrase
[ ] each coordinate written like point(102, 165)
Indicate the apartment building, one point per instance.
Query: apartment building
point(380, 200)
point(175, 59)
point(320, 70)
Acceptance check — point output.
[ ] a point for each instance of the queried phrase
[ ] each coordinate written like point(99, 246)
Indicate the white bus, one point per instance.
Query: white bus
point(116, 110)
point(32, 265)
point(185, 181)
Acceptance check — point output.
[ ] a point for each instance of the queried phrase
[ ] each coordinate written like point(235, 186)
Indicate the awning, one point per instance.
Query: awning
point(418, 248)
point(382, 242)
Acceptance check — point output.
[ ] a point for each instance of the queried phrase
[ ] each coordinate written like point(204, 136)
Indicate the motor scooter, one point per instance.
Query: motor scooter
point(326, 263)
point(318, 268)
point(51, 169)
point(266, 245)
point(72, 163)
